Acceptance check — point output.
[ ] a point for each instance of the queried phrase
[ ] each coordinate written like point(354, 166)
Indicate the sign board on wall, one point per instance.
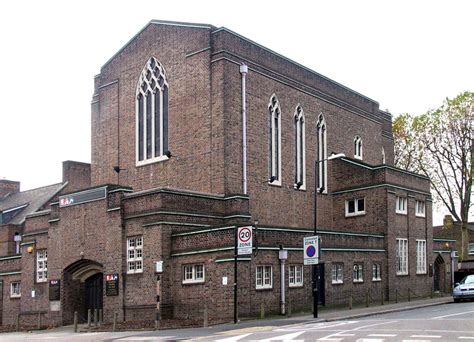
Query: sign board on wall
point(311, 250)
point(54, 289)
point(244, 240)
point(83, 197)
point(112, 284)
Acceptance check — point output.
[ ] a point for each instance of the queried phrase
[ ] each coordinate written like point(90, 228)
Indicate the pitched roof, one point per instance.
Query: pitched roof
point(28, 202)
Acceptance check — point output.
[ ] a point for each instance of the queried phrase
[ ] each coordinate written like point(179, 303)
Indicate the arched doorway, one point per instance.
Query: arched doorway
point(83, 289)
point(439, 274)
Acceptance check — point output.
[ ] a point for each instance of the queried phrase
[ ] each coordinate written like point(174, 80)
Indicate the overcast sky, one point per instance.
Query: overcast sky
point(407, 55)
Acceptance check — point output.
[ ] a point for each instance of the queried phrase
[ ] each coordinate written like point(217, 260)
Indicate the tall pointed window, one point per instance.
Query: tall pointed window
point(152, 114)
point(274, 114)
point(322, 154)
point(358, 147)
point(300, 160)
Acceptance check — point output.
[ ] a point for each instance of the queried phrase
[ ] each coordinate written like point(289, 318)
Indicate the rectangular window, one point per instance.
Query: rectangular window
point(295, 275)
point(421, 256)
point(15, 289)
point(402, 256)
point(420, 208)
point(263, 277)
point(376, 272)
point(193, 274)
point(358, 273)
point(42, 266)
point(135, 255)
point(337, 273)
point(471, 249)
point(401, 205)
point(355, 207)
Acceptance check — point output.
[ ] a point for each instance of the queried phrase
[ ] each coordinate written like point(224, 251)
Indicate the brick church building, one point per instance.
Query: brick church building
point(197, 131)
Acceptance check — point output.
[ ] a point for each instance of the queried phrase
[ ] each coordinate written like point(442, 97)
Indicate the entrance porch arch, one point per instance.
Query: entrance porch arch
point(439, 276)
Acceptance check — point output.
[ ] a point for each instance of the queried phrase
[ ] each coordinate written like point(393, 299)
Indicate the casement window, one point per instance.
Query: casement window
point(322, 153)
point(42, 266)
point(355, 207)
point(152, 114)
point(295, 275)
point(401, 205)
point(274, 115)
point(402, 256)
point(358, 147)
point(337, 273)
point(421, 256)
point(300, 149)
point(376, 272)
point(358, 273)
point(135, 255)
point(193, 274)
point(420, 208)
point(471, 249)
point(264, 277)
point(15, 289)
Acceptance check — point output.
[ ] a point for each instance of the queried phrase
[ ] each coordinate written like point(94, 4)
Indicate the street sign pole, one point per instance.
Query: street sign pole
point(235, 275)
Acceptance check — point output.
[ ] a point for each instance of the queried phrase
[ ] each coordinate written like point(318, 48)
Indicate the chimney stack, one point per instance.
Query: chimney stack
point(8, 187)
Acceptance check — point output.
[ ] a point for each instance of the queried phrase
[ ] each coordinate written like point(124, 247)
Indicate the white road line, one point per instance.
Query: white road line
point(355, 329)
point(456, 314)
point(466, 337)
point(382, 335)
point(345, 335)
point(370, 340)
point(144, 338)
point(426, 336)
point(329, 339)
point(287, 337)
point(233, 338)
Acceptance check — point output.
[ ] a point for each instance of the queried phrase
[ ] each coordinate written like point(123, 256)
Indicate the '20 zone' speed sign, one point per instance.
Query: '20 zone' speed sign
point(244, 240)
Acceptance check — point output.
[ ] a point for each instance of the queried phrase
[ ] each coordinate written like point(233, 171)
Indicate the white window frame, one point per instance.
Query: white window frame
point(295, 275)
point(152, 86)
point(471, 248)
point(264, 277)
point(420, 208)
point(376, 272)
point(15, 289)
point(358, 273)
point(274, 111)
point(322, 156)
point(300, 149)
point(337, 273)
point(420, 256)
point(401, 205)
point(135, 254)
point(194, 274)
point(356, 212)
point(402, 256)
point(42, 266)
point(358, 152)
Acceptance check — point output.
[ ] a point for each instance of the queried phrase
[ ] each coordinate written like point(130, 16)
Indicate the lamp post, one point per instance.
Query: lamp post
point(315, 270)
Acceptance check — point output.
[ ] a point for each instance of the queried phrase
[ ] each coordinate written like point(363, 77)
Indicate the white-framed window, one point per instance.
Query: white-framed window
point(295, 275)
point(322, 153)
point(401, 205)
point(135, 254)
point(358, 273)
point(420, 208)
point(402, 256)
point(300, 149)
point(355, 207)
point(376, 272)
point(274, 115)
point(338, 273)
point(358, 147)
point(152, 114)
point(264, 277)
point(15, 289)
point(193, 274)
point(471, 248)
point(41, 266)
point(421, 256)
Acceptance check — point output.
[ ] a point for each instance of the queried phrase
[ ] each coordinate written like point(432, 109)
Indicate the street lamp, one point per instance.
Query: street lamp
point(316, 176)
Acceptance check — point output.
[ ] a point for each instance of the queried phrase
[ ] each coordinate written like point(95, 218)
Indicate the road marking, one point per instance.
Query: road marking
point(287, 337)
point(143, 338)
point(426, 336)
point(233, 338)
point(355, 329)
point(345, 335)
point(456, 314)
point(382, 335)
point(466, 337)
point(329, 339)
point(370, 340)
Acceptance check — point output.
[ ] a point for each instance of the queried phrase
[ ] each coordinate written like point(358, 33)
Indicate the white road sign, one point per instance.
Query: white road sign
point(244, 240)
point(311, 250)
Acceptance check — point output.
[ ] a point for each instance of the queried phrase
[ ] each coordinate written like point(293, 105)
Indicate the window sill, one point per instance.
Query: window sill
point(295, 286)
point(357, 281)
point(420, 216)
point(337, 283)
point(302, 188)
point(422, 273)
point(266, 288)
point(362, 213)
point(15, 297)
point(192, 282)
point(377, 280)
point(402, 274)
point(401, 212)
point(132, 273)
point(151, 161)
point(41, 281)
point(275, 183)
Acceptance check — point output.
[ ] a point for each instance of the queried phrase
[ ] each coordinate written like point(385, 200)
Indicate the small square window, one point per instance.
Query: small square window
point(135, 255)
point(295, 275)
point(193, 274)
point(263, 277)
point(420, 208)
point(355, 207)
point(338, 273)
point(401, 205)
point(15, 289)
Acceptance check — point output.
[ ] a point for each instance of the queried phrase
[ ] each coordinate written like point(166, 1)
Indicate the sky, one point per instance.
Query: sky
point(407, 55)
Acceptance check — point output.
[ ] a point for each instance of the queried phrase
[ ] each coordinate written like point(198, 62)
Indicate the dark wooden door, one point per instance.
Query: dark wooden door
point(93, 292)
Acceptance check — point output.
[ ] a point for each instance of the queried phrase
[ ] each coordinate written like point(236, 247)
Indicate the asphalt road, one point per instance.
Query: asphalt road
point(448, 322)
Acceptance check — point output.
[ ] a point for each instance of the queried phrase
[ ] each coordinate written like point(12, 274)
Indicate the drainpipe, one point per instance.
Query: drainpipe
point(282, 255)
point(244, 71)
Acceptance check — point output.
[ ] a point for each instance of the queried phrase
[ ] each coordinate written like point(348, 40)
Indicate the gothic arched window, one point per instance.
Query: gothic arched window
point(358, 147)
point(300, 148)
point(152, 114)
point(322, 153)
point(274, 115)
